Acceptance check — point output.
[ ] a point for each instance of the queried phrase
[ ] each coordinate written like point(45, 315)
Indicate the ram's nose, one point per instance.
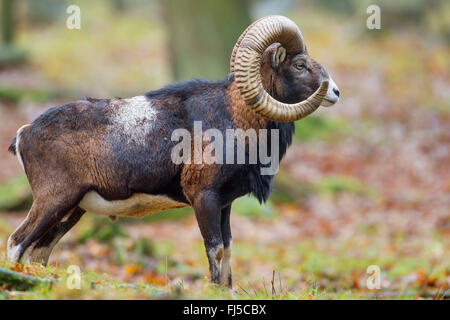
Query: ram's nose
point(333, 94)
point(336, 91)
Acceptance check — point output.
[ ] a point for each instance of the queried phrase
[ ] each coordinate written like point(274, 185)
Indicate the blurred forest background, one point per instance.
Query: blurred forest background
point(366, 182)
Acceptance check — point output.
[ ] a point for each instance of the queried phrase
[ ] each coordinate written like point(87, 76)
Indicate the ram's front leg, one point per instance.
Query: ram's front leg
point(225, 277)
point(208, 214)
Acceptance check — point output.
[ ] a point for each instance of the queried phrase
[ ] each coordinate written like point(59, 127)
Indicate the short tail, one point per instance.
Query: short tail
point(15, 142)
point(12, 147)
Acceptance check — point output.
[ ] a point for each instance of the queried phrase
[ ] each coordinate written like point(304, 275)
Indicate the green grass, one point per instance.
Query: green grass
point(101, 229)
point(19, 94)
point(172, 215)
point(10, 55)
point(319, 127)
point(336, 184)
point(249, 206)
point(15, 194)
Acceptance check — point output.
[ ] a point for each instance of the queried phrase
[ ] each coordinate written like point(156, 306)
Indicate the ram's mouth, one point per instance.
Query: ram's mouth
point(328, 102)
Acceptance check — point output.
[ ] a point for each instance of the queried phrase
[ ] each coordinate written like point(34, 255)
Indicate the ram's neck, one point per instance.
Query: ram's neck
point(241, 115)
point(246, 119)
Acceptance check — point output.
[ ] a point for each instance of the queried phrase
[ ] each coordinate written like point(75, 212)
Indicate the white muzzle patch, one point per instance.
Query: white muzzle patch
point(332, 94)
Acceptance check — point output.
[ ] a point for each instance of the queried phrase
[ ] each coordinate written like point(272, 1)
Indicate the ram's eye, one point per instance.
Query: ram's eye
point(300, 66)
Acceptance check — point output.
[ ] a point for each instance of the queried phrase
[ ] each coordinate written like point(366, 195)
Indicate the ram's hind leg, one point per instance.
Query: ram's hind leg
point(41, 249)
point(44, 225)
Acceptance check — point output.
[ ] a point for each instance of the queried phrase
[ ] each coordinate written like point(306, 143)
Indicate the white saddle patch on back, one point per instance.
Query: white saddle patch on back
point(133, 117)
point(138, 205)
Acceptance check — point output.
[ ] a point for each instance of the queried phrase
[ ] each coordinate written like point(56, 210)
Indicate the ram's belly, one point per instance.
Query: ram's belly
point(138, 205)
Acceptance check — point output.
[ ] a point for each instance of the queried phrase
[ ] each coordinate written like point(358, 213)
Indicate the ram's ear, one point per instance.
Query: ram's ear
point(278, 56)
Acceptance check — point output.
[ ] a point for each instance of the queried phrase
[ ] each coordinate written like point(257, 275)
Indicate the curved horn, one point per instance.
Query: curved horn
point(238, 43)
point(247, 60)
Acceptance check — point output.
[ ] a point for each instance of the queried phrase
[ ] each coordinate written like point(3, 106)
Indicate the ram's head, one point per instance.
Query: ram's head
point(271, 55)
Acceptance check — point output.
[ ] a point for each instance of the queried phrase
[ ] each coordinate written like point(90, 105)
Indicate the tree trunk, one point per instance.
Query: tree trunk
point(202, 34)
point(9, 54)
point(7, 21)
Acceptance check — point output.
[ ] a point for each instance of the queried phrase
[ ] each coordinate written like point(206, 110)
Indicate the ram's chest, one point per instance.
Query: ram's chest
point(138, 205)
